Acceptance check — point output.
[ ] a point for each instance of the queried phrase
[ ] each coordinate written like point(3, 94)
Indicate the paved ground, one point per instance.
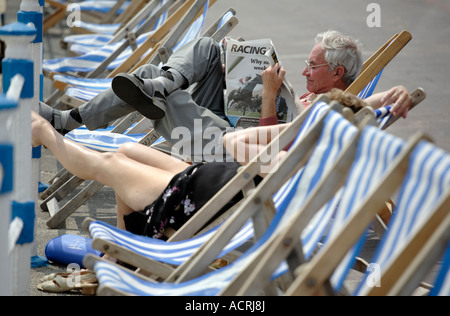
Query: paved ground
point(292, 25)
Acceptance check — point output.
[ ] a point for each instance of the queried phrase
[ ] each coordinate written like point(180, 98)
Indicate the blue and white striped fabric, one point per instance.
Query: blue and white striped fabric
point(442, 283)
point(375, 153)
point(368, 90)
point(99, 84)
point(101, 7)
point(427, 179)
point(383, 116)
point(85, 43)
point(102, 139)
point(90, 61)
point(337, 131)
point(82, 94)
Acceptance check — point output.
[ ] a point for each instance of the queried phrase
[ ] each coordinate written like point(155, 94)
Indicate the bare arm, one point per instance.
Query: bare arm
point(245, 145)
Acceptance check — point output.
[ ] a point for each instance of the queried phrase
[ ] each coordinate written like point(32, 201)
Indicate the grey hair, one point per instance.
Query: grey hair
point(342, 50)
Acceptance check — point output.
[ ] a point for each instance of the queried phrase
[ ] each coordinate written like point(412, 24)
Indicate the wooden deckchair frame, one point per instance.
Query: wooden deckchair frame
point(313, 275)
point(423, 249)
point(379, 60)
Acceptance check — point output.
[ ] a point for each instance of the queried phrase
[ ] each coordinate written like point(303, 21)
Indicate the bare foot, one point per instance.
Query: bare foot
point(38, 124)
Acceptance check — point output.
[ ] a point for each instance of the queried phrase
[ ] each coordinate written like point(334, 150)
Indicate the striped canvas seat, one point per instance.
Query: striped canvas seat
point(374, 155)
point(85, 43)
point(90, 61)
point(100, 6)
point(426, 182)
point(373, 159)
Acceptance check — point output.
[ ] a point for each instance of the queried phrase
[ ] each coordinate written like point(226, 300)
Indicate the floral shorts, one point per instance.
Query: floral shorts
point(186, 193)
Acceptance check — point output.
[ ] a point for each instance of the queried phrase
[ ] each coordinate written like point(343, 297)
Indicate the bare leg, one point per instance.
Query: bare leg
point(122, 209)
point(152, 157)
point(137, 184)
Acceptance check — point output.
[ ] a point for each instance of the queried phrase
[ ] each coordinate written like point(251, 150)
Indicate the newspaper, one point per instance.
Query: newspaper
point(244, 63)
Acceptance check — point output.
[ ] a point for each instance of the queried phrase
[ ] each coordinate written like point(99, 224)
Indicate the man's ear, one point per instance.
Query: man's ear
point(339, 72)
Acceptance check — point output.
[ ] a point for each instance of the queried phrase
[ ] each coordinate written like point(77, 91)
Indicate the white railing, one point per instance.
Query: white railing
point(18, 206)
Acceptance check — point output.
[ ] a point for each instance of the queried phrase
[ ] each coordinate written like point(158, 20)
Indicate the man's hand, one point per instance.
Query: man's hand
point(272, 78)
point(399, 98)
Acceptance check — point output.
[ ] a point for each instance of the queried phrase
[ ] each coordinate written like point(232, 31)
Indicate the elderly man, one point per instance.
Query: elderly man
point(334, 62)
point(189, 87)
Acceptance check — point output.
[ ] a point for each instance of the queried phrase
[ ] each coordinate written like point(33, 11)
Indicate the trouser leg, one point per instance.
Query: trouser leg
point(107, 107)
point(193, 130)
point(199, 62)
point(195, 118)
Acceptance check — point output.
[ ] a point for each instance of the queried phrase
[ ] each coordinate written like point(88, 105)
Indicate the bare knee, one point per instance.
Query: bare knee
point(127, 149)
point(101, 168)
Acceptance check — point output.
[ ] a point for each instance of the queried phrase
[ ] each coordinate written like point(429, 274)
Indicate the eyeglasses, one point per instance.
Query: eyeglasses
point(309, 66)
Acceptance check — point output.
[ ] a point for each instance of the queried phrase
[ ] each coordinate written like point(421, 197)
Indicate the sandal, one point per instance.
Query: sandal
point(84, 274)
point(61, 283)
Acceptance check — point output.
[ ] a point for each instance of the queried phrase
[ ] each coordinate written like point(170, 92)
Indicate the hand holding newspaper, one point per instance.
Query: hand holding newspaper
point(244, 63)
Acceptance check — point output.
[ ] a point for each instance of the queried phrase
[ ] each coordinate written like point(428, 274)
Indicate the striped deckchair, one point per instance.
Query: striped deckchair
point(424, 195)
point(337, 133)
point(375, 153)
point(419, 231)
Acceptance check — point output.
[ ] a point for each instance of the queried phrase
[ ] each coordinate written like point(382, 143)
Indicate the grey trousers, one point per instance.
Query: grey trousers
point(194, 116)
